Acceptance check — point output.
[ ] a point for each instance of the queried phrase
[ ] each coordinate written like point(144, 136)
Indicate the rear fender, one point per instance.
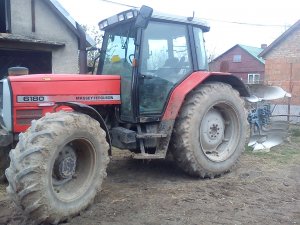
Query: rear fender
point(232, 80)
point(88, 110)
point(192, 82)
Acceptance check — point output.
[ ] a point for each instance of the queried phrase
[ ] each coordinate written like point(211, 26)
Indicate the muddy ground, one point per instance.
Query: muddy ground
point(263, 189)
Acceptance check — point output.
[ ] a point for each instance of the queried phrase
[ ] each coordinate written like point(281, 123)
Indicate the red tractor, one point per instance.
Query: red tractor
point(152, 95)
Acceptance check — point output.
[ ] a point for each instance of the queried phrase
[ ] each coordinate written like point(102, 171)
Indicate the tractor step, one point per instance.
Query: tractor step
point(148, 156)
point(150, 135)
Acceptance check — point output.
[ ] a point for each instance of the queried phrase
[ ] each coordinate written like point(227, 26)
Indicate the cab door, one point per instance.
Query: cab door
point(165, 61)
point(118, 50)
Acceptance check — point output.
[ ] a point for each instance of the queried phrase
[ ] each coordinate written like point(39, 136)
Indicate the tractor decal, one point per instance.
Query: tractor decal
point(63, 98)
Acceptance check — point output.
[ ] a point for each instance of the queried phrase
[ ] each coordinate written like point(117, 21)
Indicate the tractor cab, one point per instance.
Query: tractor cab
point(153, 53)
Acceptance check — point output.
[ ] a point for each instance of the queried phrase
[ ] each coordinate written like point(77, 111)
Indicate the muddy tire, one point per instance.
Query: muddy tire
point(58, 166)
point(4, 162)
point(210, 131)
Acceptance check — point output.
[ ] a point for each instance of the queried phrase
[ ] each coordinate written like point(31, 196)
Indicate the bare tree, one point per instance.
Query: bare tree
point(211, 54)
point(93, 51)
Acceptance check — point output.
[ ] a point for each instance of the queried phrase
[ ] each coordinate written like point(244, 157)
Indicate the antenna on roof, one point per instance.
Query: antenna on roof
point(191, 18)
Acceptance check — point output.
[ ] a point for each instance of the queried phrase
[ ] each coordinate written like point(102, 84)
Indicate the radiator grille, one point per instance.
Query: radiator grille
point(24, 117)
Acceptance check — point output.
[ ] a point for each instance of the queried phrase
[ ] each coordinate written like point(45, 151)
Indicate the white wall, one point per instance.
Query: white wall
point(48, 27)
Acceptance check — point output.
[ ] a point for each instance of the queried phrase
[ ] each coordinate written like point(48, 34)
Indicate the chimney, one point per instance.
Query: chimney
point(263, 46)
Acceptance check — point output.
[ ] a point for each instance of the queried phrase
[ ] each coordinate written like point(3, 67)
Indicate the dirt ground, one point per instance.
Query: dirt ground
point(264, 188)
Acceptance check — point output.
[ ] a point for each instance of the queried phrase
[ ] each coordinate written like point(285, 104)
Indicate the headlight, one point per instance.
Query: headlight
point(103, 24)
point(129, 14)
point(121, 17)
point(126, 15)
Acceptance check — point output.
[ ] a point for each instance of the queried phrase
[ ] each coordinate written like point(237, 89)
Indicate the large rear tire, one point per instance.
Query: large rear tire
point(58, 166)
point(210, 131)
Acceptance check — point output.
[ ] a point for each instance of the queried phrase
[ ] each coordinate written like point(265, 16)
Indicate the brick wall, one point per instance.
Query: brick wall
point(282, 67)
point(241, 69)
point(289, 48)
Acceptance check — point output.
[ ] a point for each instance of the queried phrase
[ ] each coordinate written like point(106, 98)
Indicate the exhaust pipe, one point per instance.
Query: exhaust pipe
point(16, 71)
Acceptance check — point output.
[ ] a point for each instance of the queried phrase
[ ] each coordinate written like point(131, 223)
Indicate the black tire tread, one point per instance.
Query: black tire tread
point(28, 164)
point(180, 145)
point(4, 162)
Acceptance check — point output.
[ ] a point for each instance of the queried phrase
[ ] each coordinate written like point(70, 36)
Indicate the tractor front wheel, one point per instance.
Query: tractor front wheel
point(210, 131)
point(58, 166)
point(4, 162)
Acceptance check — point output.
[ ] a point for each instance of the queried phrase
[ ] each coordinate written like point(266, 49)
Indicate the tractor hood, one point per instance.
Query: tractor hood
point(34, 95)
point(51, 88)
point(62, 77)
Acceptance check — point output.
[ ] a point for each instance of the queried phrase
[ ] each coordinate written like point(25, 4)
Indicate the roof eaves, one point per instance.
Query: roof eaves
point(215, 59)
point(245, 48)
point(67, 18)
point(254, 52)
point(14, 38)
point(279, 39)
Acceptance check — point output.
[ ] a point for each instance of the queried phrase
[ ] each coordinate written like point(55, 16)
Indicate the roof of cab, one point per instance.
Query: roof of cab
point(113, 20)
point(181, 19)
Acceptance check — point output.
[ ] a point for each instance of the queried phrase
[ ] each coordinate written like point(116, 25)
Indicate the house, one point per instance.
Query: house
point(41, 35)
point(242, 61)
point(283, 63)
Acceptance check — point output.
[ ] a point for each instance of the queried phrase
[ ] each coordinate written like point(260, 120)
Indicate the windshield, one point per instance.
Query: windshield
point(118, 51)
point(116, 59)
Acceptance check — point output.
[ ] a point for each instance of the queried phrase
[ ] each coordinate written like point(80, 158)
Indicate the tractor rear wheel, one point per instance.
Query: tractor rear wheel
point(210, 131)
point(58, 166)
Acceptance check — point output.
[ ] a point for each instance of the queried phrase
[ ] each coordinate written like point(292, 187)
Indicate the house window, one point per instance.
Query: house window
point(237, 58)
point(253, 78)
point(4, 16)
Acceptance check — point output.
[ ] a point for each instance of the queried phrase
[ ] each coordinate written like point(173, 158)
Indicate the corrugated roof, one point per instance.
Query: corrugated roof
point(7, 37)
point(254, 51)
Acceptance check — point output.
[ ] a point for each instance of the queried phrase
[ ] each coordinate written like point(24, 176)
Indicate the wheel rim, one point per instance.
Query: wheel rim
point(219, 132)
point(72, 177)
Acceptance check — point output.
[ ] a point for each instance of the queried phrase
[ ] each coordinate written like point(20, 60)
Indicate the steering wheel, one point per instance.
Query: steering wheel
point(130, 58)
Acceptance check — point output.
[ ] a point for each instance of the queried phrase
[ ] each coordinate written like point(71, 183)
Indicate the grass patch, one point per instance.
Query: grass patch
point(278, 155)
point(295, 132)
point(248, 149)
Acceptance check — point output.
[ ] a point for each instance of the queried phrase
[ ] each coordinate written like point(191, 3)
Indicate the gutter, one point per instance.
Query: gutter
point(82, 50)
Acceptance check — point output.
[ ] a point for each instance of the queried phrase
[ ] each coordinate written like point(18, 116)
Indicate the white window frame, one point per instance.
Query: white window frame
point(253, 78)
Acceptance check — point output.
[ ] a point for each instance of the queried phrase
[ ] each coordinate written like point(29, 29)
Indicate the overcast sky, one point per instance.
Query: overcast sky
point(269, 18)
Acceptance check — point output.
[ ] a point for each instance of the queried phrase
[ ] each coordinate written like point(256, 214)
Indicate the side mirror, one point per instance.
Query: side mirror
point(143, 17)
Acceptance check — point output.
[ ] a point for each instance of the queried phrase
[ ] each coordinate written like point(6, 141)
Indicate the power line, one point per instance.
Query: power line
point(209, 19)
point(244, 23)
point(119, 3)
